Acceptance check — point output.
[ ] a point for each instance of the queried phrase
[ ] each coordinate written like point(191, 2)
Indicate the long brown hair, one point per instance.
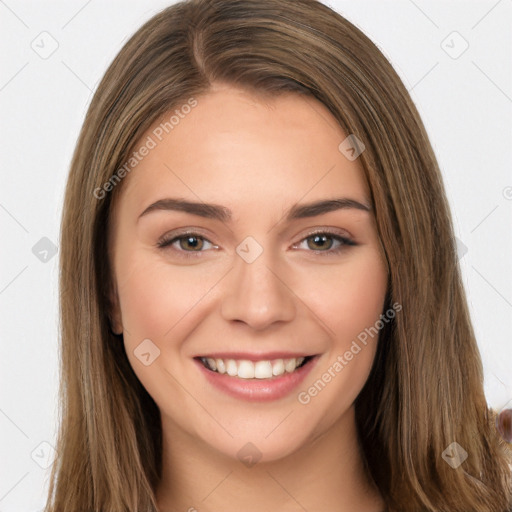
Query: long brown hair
point(425, 389)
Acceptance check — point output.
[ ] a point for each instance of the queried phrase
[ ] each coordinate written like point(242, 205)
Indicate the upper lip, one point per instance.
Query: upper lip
point(253, 356)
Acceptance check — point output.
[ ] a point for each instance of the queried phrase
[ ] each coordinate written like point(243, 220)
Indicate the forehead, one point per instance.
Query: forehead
point(238, 149)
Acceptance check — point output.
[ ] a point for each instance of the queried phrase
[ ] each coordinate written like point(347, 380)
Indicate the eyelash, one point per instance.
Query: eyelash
point(168, 241)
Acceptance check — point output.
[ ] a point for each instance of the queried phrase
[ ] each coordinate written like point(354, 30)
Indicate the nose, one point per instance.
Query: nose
point(257, 293)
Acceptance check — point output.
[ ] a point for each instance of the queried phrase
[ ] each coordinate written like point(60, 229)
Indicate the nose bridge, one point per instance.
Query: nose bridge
point(256, 293)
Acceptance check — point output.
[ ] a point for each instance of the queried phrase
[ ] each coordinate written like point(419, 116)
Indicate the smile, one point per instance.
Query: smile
point(255, 378)
point(245, 369)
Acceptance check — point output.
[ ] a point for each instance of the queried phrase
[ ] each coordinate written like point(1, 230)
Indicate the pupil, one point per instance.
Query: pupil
point(190, 241)
point(319, 238)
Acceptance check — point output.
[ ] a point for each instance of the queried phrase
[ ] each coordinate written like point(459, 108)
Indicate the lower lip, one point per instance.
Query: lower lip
point(258, 390)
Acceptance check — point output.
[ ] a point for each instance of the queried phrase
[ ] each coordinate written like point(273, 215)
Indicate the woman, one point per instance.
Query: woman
point(260, 298)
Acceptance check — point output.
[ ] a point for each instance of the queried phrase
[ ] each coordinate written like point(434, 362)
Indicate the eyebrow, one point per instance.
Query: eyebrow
point(223, 214)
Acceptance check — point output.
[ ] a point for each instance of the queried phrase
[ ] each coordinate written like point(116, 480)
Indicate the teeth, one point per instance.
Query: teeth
point(289, 365)
point(263, 370)
point(221, 367)
point(231, 367)
point(245, 369)
point(278, 367)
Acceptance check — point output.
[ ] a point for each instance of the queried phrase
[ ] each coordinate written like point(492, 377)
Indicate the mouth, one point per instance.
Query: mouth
point(267, 369)
point(256, 377)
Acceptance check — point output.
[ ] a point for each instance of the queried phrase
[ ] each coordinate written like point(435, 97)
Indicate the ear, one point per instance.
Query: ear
point(116, 321)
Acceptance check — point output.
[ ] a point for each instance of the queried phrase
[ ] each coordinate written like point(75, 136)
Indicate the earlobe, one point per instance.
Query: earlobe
point(115, 330)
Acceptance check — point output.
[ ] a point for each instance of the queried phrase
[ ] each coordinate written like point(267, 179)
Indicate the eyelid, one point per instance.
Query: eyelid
point(342, 233)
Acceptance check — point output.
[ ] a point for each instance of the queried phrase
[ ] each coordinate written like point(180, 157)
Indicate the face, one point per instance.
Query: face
point(254, 284)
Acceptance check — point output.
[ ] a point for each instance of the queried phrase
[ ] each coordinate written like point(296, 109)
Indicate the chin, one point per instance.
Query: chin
point(258, 444)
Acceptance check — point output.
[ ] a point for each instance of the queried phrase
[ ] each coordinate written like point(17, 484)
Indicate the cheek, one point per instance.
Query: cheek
point(156, 296)
point(350, 307)
point(351, 295)
point(162, 303)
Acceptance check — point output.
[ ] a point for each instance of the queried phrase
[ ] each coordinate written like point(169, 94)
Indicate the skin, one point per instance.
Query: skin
point(258, 158)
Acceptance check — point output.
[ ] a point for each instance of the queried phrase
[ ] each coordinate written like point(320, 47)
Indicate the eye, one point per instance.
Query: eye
point(323, 241)
point(194, 241)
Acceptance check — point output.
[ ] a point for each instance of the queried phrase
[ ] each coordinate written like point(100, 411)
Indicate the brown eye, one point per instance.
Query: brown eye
point(325, 243)
point(322, 241)
point(186, 245)
point(193, 242)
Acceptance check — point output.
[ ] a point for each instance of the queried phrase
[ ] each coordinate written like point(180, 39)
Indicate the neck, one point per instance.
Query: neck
point(325, 474)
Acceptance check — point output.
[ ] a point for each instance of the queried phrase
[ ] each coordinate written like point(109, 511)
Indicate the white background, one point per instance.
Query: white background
point(466, 105)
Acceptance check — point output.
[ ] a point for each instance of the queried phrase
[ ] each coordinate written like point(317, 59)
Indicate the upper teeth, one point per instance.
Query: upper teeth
point(253, 370)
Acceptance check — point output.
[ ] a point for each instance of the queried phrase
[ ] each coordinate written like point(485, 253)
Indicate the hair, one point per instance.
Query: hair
point(425, 389)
